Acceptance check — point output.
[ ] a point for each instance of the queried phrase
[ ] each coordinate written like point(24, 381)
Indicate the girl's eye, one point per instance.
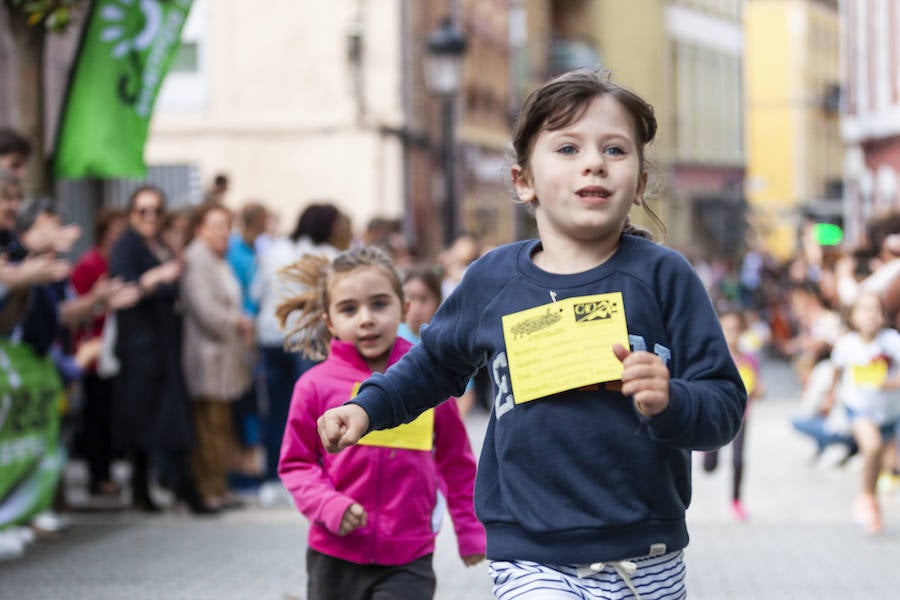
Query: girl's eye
point(567, 150)
point(615, 151)
point(380, 304)
point(347, 310)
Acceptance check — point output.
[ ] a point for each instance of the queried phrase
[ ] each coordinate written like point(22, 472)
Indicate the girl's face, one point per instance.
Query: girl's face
point(867, 316)
point(146, 215)
point(731, 327)
point(585, 177)
point(421, 304)
point(214, 230)
point(364, 309)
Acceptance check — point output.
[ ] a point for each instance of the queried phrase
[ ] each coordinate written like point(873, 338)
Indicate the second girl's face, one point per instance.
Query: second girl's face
point(867, 315)
point(421, 304)
point(585, 177)
point(364, 309)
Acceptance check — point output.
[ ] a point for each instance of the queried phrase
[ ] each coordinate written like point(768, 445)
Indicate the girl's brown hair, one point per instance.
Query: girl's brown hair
point(306, 331)
point(430, 275)
point(147, 188)
point(563, 100)
point(198, 214)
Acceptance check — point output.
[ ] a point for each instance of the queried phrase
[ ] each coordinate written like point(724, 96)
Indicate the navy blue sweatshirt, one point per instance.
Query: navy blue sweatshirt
point(579, 476)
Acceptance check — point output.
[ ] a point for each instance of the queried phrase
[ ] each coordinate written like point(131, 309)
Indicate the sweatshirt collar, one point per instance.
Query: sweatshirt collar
point(527, 267)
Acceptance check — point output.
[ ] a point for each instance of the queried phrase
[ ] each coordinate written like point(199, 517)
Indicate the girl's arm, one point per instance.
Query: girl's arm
point(301, 467)
point(706, 397)
point(838, 364)
point(828, 399)
point(456, 468)
point(437, 368)
point(127, 261)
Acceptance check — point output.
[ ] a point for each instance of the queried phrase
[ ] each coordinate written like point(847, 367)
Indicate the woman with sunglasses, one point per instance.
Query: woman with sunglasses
point(152, 418)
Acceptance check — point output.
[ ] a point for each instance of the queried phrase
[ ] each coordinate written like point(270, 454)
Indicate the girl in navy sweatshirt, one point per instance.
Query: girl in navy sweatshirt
point(607, 359)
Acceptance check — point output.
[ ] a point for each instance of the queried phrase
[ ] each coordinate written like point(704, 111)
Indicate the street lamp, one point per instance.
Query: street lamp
point(446, 46)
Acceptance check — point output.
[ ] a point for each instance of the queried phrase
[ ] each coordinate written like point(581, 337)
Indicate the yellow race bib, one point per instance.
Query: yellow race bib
point(872, 375)
point(564, 345)
point(416, 435)
point(748, 376)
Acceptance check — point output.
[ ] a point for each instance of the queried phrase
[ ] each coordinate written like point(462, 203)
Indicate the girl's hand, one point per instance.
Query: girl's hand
point(645, 378)
point(472, 559)
point(342, 426)
point(354, 518)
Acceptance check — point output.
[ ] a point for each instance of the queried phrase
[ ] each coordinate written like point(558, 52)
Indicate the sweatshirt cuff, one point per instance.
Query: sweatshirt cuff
point(669, 423)
point(333, 512)
point(471, 543)
point(368, 399)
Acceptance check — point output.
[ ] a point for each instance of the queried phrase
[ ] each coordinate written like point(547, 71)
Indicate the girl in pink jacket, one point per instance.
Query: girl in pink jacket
point(374, 510)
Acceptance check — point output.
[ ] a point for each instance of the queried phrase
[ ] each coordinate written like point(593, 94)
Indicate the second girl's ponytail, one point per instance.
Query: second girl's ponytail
point(306, 331)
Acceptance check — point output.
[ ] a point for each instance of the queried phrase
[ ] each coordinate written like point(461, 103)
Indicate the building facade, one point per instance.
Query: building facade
point(870, 118)
point(793, 89)
point(688, 65)
point(296, 102)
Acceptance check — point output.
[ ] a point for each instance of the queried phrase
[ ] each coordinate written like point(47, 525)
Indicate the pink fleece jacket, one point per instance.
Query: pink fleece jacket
point(397, 487)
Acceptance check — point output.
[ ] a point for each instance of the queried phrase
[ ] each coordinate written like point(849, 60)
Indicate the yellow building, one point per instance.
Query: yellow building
point(794, 151)
point(685, 58)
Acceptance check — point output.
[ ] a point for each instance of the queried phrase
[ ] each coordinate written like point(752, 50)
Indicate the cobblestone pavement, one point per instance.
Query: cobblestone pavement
point(799, 542)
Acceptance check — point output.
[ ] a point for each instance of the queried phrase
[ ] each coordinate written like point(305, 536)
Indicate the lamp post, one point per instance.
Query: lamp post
point(446, 46)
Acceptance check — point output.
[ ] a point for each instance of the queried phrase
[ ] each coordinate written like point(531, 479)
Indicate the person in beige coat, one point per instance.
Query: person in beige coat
point(217, 338)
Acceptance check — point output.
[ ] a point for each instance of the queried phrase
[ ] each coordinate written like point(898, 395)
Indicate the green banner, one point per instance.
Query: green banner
point(126, 49)
point(31, 459)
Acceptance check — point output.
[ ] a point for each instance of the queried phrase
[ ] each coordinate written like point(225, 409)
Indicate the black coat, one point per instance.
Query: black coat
point(151, 403)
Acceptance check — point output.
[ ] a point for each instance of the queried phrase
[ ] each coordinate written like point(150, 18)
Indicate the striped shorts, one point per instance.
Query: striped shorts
point(651, 578)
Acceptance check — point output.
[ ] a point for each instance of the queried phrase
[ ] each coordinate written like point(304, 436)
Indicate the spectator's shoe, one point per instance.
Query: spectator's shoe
point(738, 511)
point(106, 489)
point(867, 513)
point(272, 493)
point(11, 545)
point(26, 534)
point(231, 502)
point(852, 451)
point(147, 505)
point(832, 457)
point(195, 502)
point(49, 522)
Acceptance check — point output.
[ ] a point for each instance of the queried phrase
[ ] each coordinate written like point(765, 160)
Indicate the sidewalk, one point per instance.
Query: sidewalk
point(799, 542)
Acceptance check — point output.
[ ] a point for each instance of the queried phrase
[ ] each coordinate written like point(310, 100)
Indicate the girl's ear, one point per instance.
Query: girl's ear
point(404, 310)
point(328, 324)
point(522, 184)
point(641, 188)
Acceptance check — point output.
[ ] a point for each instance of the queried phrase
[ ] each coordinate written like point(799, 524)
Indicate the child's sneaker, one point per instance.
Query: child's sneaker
point(867, 513)
point(738, 510)
point(887, 481)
